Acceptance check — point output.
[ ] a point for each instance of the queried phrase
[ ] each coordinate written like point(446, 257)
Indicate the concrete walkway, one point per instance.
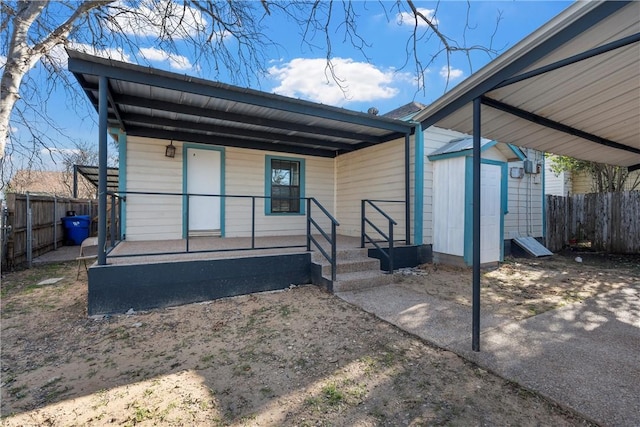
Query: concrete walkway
point(584, 356)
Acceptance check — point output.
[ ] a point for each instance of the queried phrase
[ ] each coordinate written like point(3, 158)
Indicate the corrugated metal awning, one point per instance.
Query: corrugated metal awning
point(153, 103)
point(570, 88)
point(91, 173)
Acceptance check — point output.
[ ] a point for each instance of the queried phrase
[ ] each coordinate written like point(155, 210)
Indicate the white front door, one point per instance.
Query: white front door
point(203, 177)
point(490, 213)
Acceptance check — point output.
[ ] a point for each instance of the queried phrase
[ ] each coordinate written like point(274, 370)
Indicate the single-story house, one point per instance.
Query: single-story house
point(205, 160)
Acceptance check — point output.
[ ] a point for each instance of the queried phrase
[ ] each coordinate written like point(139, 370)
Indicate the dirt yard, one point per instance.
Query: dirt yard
point(300, 357)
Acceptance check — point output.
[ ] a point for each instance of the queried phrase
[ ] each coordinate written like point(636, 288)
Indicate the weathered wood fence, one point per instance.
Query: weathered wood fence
point(610, 221)
point(33, 225)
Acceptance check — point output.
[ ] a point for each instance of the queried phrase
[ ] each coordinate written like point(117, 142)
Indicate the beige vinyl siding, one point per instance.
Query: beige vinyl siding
point(148, 170)
point(434, 138)
point(524, 201)
point(557, 185)
point(160, 217)
point(245, 175)
point(377, 173)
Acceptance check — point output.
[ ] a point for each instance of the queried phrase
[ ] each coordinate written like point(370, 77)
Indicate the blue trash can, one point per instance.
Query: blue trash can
point(76, 228)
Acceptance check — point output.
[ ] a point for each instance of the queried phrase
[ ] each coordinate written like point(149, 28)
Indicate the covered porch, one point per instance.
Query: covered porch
point(164, 123)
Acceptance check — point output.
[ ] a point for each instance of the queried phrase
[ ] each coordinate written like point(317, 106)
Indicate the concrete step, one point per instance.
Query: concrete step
point(351, 266)
point(341, 255)
point(361, 280)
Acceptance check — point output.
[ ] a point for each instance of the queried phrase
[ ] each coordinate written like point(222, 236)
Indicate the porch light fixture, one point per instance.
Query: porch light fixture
point(170, 151)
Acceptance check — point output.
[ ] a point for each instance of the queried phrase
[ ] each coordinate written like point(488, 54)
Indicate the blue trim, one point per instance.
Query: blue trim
point(185, 147)
point(267, 185)
point(468, 204)
point(461, 153)
point(517, 151)
point(544, 201)
point(418, 203)
point(122, 178)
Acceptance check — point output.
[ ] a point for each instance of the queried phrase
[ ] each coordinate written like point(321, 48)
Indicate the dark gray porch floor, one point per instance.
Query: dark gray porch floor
point(148, 252)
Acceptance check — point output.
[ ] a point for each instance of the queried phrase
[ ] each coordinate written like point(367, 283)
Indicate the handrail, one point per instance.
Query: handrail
point(122, 195)
point(330, 239)
point(365, 238)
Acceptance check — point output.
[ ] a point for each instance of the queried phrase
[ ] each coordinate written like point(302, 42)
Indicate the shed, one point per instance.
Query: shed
point(453, 199)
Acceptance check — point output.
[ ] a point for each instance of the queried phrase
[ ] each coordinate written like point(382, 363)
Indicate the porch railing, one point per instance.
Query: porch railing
point(331, 240)
point(385, 237)
point(116, 232)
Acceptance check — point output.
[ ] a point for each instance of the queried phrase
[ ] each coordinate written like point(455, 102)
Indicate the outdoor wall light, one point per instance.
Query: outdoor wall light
point(170, 151)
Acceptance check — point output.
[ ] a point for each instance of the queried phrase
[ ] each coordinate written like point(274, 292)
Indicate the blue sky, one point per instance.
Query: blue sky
point(379, 81)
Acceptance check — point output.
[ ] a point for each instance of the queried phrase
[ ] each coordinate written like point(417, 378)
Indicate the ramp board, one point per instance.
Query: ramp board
point(532, 246)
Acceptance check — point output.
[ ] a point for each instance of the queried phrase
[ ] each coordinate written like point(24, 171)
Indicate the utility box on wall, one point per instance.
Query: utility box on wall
point(531, 168)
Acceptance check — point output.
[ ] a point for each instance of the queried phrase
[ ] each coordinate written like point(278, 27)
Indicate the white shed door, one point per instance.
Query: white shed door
point(490, 213)
point(203, 177)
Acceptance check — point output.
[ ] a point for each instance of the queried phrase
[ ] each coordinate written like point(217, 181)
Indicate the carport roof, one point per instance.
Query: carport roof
point(153, 103)
point(570, 88)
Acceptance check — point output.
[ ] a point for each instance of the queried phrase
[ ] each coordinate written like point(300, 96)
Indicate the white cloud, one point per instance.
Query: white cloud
point(450, 73)
point(177, 62)
point(310, 79)
point(407, 18)
point(3, 60)
point(153, 18)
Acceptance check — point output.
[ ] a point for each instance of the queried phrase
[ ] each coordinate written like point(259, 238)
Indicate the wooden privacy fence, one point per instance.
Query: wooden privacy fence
point(33, 225)
point(609, 221)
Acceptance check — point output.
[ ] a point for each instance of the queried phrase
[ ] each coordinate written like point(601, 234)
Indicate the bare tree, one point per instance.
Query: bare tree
point(35, 33)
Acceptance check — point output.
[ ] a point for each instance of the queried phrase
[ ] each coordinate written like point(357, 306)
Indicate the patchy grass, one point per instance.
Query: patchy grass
point(299, 357)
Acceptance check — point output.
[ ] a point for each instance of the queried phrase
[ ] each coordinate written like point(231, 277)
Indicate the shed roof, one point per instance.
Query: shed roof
point(464, 147)
point(572, 88)
point(153, 103)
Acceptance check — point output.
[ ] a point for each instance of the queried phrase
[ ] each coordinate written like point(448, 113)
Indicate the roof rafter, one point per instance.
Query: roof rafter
point(227, 141)
point(543, 121)
point(173, 107)
point(218, 130)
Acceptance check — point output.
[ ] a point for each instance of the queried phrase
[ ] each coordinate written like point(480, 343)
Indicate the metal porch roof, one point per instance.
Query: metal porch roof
point(153, 103)
point(91, 173)
point(570, 88)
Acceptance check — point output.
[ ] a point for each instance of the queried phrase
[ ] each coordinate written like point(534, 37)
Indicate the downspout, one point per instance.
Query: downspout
point(407, 189)
point(122, 181)
point(418, 201)
point(544, 201)
point(102, 170)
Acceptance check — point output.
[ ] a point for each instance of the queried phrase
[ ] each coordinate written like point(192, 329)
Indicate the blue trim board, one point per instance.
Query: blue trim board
point(185, 147)
point(468, 204)
point(517, 151)
point(418, 202)
point(122, 178)
point(544, 200)
point(267, 185)
point(461, 153)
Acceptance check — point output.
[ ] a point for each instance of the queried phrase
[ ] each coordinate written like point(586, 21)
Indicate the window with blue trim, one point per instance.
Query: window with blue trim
point(285, 186)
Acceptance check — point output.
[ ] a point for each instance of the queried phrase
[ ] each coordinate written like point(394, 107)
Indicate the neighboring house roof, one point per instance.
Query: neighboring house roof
point(572, 87)
point(48, 182)
point(153, 103)
point(406, 112)
point(464, 147)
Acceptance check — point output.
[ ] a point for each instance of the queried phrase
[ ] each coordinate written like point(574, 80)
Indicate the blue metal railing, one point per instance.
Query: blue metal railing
point(386, 237)
point(116, 232)
point(330, 239)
